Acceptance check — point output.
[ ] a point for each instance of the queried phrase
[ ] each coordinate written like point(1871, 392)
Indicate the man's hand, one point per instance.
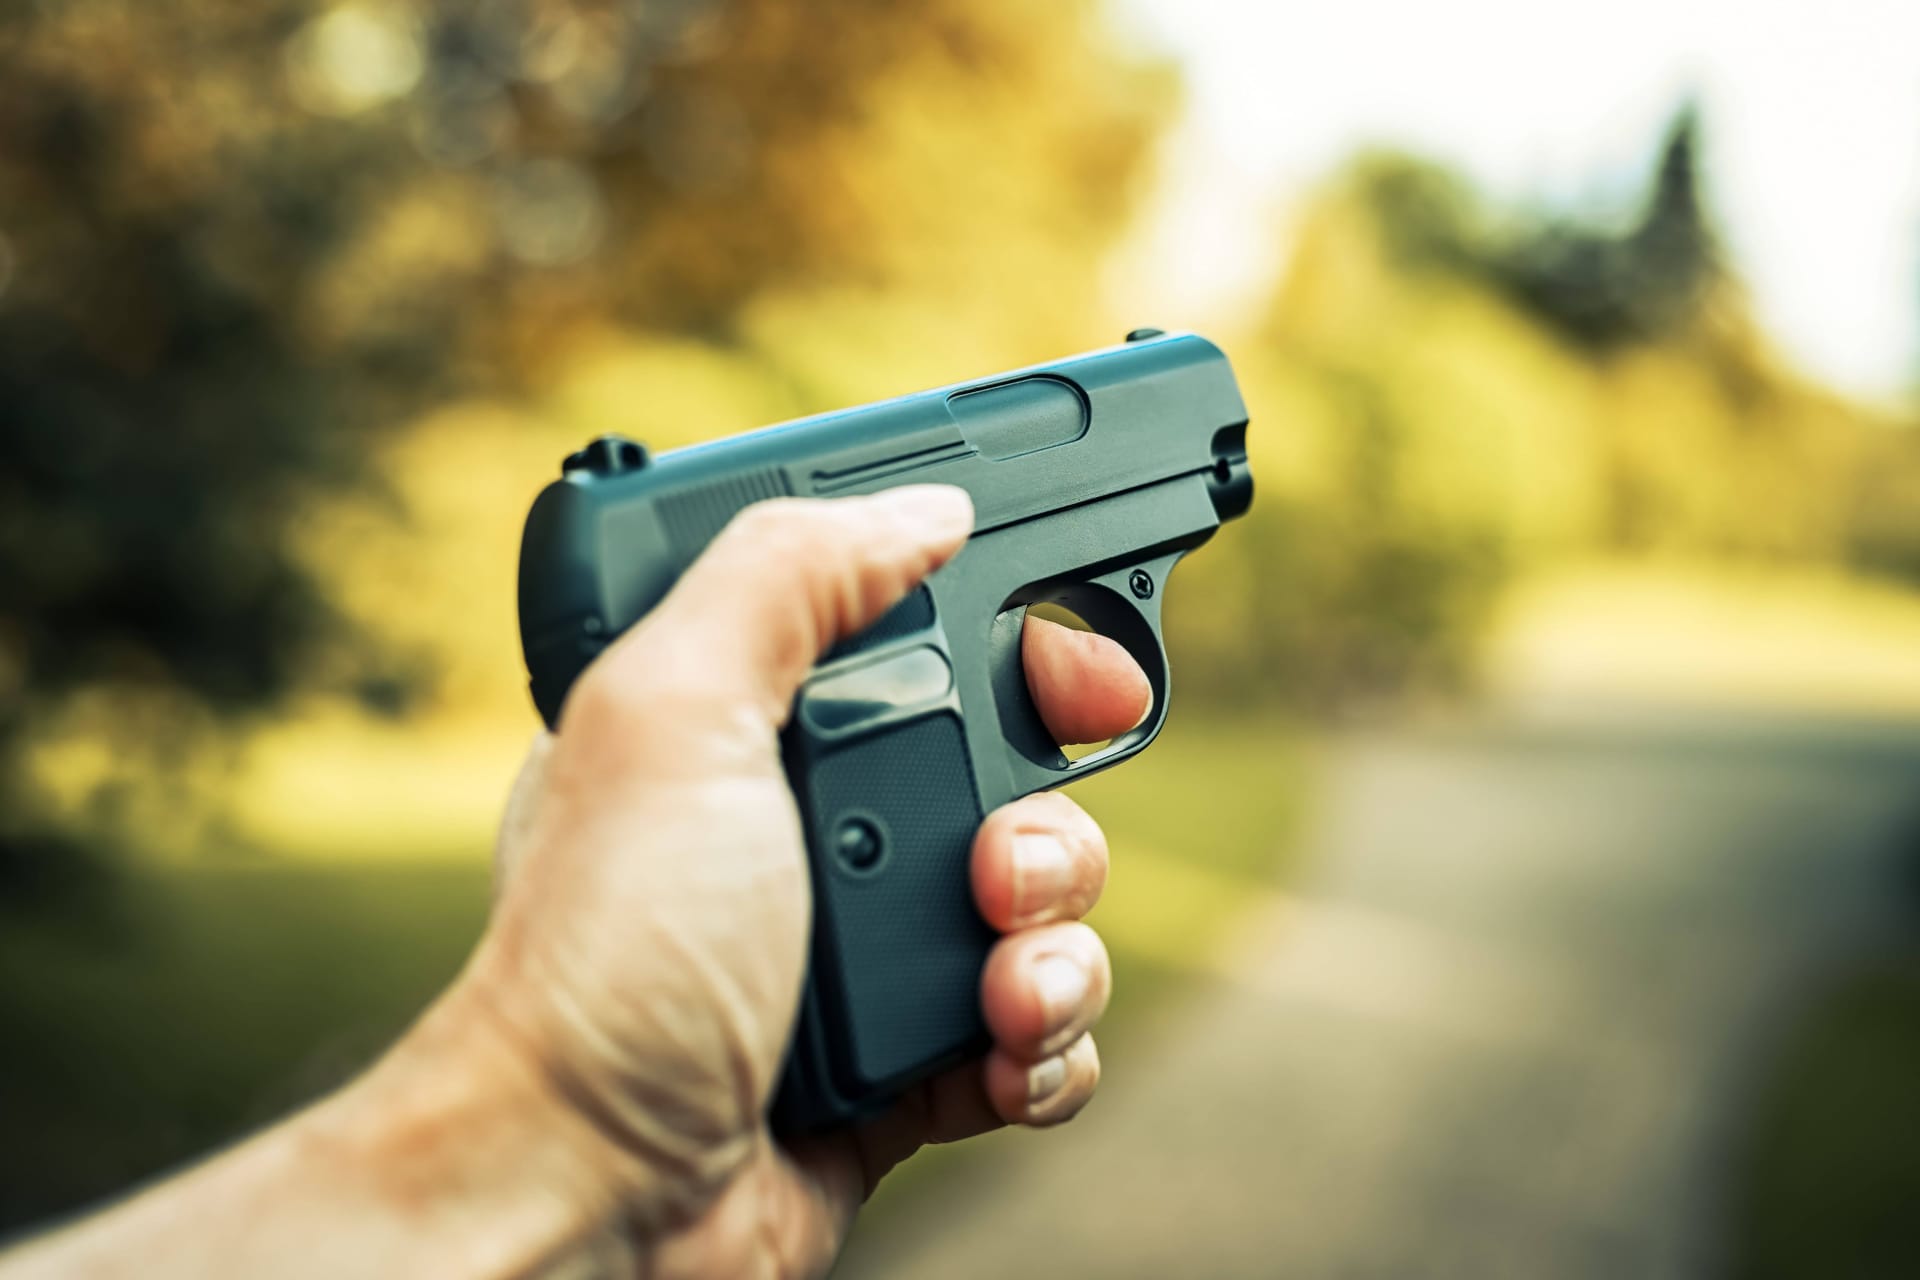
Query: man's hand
point(589, 1098)
point(651, 932)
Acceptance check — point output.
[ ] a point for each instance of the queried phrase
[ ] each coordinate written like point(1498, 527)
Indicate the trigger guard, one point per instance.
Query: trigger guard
point(1113, 608)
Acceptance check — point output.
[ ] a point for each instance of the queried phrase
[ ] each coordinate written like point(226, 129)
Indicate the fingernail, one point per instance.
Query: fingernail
point(1044, 1079)
point(1061, 983)
point(1042, 874)
point(944, 510)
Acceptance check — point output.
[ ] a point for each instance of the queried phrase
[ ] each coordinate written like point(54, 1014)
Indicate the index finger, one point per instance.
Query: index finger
point(1087, 688)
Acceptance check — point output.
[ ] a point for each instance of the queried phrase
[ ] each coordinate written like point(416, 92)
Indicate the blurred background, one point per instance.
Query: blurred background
point(1527, 881)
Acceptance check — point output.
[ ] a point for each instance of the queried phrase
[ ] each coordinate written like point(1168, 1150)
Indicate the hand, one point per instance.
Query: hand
point(647, 950)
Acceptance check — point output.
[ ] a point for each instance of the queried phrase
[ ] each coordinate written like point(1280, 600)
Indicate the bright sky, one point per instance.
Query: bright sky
point(1810, 110)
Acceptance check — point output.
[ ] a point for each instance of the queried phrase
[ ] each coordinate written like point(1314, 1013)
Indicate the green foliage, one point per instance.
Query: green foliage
point(1605, 289)
point(1446, 395)
point(1883, 533)
point(296, 247)
point(230, 996)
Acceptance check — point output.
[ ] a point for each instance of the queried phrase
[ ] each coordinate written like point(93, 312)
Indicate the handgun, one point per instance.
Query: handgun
point(1090, 477)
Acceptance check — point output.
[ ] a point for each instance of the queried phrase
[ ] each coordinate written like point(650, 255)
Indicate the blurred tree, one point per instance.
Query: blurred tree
point(238, 244)
point(1450, 394)
point(1884, 534)
point(1884, 531)
point(1606, 288)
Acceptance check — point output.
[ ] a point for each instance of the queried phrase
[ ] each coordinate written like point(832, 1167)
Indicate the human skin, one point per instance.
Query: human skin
point(589, 1096)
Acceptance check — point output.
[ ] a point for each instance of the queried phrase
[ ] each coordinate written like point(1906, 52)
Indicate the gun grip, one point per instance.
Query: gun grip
point(897, 750)
point(893, 985)
point(877, 755)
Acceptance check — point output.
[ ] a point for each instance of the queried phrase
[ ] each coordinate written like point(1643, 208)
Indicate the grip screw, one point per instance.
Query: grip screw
point(858, 844)
point(1140, 582)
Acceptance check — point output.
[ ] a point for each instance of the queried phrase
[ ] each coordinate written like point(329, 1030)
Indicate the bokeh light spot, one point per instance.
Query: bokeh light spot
point(353, 57)
point(549, 212)
point(553, 48)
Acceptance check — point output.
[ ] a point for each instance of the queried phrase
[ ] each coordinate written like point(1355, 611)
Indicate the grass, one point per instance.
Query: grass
point(199, 1001)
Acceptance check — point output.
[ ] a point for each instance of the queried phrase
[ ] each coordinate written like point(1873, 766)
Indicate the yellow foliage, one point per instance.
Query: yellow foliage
point(1420, 435)
point(1690, 632)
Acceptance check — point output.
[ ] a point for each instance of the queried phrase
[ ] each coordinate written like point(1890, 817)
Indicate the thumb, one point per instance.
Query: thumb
point(780, 585)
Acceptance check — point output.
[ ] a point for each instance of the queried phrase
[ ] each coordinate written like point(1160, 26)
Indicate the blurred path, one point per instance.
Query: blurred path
point(1502, 1033)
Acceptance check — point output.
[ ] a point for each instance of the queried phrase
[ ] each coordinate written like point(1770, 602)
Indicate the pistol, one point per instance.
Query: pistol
point(1091, 477)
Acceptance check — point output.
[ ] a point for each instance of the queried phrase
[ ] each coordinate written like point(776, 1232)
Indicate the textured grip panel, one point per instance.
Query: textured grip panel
point(899, 944)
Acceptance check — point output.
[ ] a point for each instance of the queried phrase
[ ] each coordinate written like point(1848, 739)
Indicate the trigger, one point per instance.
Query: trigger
point(1020, 719)
point(1087, 687)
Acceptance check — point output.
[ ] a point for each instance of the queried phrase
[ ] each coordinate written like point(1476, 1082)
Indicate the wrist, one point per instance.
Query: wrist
point(669, 1142)
point(457, 1132)
point(448, 1158)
